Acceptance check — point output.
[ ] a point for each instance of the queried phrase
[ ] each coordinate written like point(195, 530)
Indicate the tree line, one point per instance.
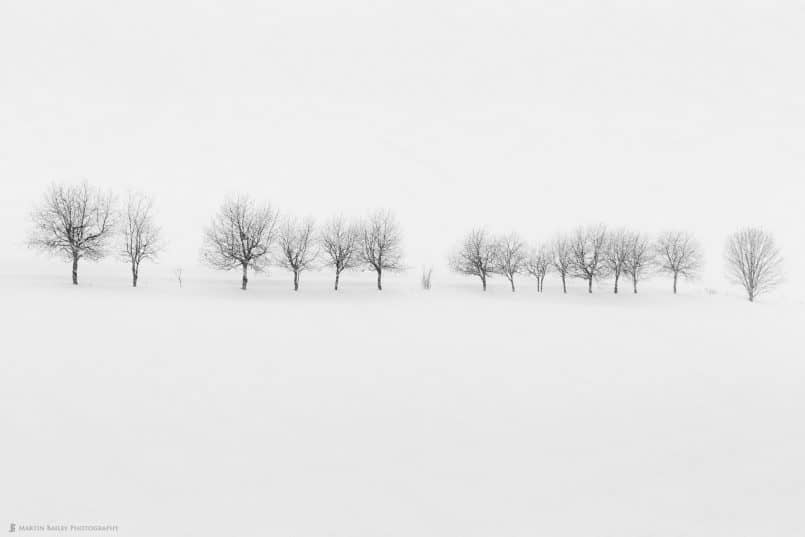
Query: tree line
point(250, 235)
point(84, 222)
point(595, 253)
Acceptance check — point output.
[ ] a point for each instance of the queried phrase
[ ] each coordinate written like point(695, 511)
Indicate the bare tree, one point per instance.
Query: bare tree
point(297, 249)
point(616, 253)
point(340, 241)
point(476, 256)
point(511, 257)
point(381, 245)
point(678, 254)
point(140, 235)
point(640, 258)
point(587, 249)
point(537, 264)
point(562, 259)
point(74, 222)
point(178, 273)
point(240, 235)
point(754, 261)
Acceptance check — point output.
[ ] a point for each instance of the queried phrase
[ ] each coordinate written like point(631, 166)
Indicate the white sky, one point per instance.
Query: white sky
point(530, 116)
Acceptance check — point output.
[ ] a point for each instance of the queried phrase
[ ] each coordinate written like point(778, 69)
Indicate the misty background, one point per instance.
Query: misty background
point(522, 116)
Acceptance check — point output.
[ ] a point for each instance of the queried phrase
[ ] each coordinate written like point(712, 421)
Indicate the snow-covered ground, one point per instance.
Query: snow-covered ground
point(210, 411)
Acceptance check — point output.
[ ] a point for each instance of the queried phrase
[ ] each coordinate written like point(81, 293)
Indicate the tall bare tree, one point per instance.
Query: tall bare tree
point(240, 235)
point(340, 241)
point(381, 246)
point(74, 222)
point(562, 259)
point(679, 254)
point(140, 235)
point(587, 249)
point(754, 261)
point(616, 254)
point(476, 256)
point(297, 247)
point(640, 258)
point(511, 257)
point(537, 264)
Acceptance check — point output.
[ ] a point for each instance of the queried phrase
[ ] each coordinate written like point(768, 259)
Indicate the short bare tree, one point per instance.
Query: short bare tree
point(74, 222)
point(562, 259)
point(640, 258)
point(537, 264)
point(616, 253)
point(381, 244)
point(511, 257)
point(475, 256)
point(679, 254)
point(340, 242)
point(587, 248)
point(296, 241)
point(140, 235)
point(240, 235)
point(754, 261)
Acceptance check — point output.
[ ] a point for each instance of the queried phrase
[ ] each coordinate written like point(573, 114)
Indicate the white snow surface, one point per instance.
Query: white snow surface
point(212, 411)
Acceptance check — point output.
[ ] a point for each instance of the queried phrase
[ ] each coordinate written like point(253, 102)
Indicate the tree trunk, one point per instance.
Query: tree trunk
point(676, 277)
point(590, 285)
point(564, 284)
point(75, 269)
point(379, 280)
point(134, 274)
point(634, 284)
point(245, 277)
point(617, 277)
point(337, 276)
point(483, 281)
point(296, 281)
point(511, 281)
